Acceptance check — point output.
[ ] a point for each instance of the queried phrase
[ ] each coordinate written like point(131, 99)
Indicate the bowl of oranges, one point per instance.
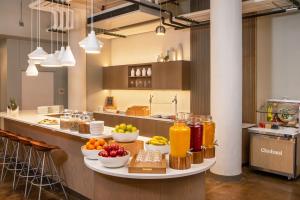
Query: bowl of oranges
point(92, 148)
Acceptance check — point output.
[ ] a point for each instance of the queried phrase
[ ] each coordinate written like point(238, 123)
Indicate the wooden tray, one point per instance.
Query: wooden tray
point(148, 167)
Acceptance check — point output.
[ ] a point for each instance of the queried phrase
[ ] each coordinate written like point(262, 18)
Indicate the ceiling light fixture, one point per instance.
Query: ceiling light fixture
point(68, 58)
point(160, 30)
point(31, 69)
point(91, 44)
point(38, 54)
point(51, 60)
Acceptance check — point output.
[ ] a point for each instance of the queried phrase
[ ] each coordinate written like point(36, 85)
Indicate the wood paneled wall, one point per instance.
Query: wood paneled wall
point(200, 70)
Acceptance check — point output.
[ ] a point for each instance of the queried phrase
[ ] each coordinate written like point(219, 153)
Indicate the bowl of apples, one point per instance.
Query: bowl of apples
point(125, 133)
point(114, 156)
point(92, 148)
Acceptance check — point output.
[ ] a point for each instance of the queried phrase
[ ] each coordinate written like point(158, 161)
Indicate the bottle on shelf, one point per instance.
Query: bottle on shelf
point(149, 72)
point(143, 72)
point(132, 72)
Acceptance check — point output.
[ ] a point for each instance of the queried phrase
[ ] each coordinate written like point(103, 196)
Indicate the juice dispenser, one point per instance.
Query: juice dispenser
point(209, 137)
point(180, 136)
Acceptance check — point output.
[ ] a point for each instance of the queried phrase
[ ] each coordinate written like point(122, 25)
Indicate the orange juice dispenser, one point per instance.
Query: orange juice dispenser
point(209, 137)
point(180, 136)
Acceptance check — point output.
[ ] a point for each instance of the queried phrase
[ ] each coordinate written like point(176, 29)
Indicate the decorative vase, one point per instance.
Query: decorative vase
point(13, 112)
point(132, 72)
point(149, 72)
point(138, 72)
point(143, 72)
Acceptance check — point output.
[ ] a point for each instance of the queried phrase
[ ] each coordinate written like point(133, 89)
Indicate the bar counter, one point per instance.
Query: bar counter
point(91, 180)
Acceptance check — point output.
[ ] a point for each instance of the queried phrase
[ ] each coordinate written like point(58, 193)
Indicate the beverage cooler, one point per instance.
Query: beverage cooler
point(274, 144)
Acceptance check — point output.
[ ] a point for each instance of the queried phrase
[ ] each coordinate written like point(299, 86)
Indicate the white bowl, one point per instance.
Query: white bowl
point(114, 162)
point(90, 154)
point(125, 137)
point(163, 149)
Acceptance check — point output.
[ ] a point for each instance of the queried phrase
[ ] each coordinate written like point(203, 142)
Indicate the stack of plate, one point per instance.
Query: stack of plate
point(97, 127)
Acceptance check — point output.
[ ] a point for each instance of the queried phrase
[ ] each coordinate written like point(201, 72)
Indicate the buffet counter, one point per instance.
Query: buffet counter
point(93, 181)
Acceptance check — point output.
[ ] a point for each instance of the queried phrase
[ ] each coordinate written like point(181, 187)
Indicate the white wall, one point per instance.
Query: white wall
point(278, 57)
point(146, 47)
point(143, 48)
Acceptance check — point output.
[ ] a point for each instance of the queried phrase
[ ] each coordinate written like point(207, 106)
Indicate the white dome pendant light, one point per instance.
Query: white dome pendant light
point(51, 60)
point(68, 58)
point(91, 44)
point(31, 69)
point(38, 54)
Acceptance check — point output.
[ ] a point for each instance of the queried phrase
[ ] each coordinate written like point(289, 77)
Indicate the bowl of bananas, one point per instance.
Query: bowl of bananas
point(158, 143)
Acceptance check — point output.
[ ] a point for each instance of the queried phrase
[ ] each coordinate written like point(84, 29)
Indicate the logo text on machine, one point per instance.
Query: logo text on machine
point(271, 151)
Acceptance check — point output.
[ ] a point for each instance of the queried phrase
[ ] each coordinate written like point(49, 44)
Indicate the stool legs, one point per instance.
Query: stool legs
point(28, 169)
point(4, 159)
point(16, 164)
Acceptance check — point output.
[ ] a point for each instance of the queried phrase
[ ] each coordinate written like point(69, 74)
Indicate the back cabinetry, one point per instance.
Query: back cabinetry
point(172, 75)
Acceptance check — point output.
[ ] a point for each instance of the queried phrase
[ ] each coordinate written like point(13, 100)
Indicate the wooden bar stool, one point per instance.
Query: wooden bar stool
point(10, 149)
point(46, 173)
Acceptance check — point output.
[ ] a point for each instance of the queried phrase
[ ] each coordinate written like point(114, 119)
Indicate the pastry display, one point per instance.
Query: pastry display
point(138, 111)
point(49, 122)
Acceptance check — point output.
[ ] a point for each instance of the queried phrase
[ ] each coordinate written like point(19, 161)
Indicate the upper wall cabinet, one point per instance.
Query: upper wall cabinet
point(173, 75)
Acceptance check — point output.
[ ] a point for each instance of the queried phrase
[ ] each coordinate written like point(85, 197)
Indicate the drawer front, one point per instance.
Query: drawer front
point(272, 153)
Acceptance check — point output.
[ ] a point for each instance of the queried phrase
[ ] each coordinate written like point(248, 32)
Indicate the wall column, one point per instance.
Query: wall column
point(77, 74)
point(226, 84)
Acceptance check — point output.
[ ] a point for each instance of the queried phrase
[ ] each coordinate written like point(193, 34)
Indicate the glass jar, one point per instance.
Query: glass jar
point(208, 132)
point(65, 121)
point(84, 124)
point(196, 126)
point(74, 122)
point(180, 136)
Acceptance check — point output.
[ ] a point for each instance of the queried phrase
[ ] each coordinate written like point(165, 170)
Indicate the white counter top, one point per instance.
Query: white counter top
point(122, 172)
point(282, 131)
point(32, 118)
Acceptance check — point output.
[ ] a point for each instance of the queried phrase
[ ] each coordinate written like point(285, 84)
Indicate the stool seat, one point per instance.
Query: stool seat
point(42, 146)
point(25, 140)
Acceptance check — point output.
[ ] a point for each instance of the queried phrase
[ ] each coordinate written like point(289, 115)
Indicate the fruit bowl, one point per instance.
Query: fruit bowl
point(163, 149)
point(125, 137)
point(114, 162)
point(90, 154)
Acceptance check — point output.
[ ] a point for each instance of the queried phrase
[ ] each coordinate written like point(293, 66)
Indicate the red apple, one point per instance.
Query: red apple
point(103, 153)
point(120, 152)
point(113, 153)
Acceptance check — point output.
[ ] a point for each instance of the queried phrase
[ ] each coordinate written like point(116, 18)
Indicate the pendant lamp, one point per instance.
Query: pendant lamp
point(31, 69)
point(68, 58)
point(38, 54)
point(160, 30)
point(91, 44)
point(51, 60)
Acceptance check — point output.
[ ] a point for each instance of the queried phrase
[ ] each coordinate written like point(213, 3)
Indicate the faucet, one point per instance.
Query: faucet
point(150, 102)
point(175, 101)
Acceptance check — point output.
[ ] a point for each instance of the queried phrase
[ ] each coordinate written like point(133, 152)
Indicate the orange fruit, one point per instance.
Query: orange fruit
point(97, 144)
point(93, 140)
point(87, 144)
point(99, 147)
point(90, 147)
point(101, 141)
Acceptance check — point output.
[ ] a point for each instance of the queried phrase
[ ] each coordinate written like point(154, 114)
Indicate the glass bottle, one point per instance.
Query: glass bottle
point(180, 136)
point(208, 132)
point(196, 126)
point(74, 123)
point(65, 121)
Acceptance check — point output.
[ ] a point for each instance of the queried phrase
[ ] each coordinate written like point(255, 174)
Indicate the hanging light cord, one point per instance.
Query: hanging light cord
point(69, 23)
point(39, 23)
point(160, 14)
point(92, 13)
point(62, 30)
point(51, 27)
point(57, 32)
point(31, 40)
